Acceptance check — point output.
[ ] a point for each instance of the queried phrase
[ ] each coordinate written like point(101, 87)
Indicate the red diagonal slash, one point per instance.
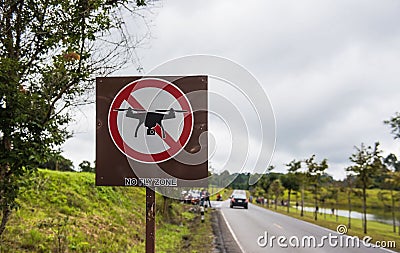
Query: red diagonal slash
point(174, 145)
point(134, 103)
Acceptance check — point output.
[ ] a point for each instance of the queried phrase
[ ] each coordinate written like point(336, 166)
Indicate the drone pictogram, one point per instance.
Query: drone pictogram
point(144, 105)
point(150, 118)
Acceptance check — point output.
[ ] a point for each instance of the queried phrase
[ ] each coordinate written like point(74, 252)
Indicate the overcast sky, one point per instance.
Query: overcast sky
point(330, 68)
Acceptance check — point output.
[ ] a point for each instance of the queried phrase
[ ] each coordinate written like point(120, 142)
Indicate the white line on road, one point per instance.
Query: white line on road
point(276, 225)
point(233, 234)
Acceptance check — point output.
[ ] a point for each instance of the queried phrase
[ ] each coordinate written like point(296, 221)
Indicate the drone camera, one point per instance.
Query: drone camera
point(150, 131)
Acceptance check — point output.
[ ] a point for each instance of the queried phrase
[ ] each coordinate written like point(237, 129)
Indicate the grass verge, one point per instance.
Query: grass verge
point(66, 212)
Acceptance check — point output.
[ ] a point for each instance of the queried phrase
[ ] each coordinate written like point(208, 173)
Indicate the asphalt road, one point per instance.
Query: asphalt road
point(258, 226)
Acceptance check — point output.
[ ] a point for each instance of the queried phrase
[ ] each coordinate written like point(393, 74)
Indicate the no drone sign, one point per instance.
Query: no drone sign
point(148, 131)
point(148, 104)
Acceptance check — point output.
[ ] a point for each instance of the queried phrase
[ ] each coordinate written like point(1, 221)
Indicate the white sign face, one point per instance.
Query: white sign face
point(150, 120)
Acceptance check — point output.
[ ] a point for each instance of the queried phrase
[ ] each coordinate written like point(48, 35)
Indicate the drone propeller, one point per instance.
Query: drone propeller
point(172, 109)
point(126, 109)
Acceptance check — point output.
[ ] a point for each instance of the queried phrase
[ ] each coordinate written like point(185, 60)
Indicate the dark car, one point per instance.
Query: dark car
point(239, 200)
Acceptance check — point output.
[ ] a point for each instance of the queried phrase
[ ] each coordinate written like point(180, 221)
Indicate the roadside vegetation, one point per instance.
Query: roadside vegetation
point(65, 212)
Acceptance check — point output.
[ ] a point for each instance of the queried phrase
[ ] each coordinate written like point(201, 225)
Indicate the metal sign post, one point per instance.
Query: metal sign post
point(150, 220)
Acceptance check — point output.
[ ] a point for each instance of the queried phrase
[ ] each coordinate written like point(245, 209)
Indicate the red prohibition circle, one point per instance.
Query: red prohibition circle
point(174, 146)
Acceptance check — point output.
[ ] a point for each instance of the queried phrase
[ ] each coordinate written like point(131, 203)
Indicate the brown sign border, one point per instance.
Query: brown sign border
point(113, 167)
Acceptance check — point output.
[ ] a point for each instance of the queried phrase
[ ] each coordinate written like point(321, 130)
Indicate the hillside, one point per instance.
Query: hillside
point(65, 212)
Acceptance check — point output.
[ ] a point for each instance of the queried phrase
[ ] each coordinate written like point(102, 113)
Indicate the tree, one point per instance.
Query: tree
point(392, 162)
point(367, 163)
point(221, 180)
point(334, 195)
point(394, 123)
point(58, 162)
point(395, 176)
point(350, 183)
point(393, 181)
point(277, 190)
point(290, 181)
point(258, 192)
point(266, 180)
point(85, 166)
point(50, 52)
point(314, 173)
point(241, 181)
point(294, 167)
point(324, 195)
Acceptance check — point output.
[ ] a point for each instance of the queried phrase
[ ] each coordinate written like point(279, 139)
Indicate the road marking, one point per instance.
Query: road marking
point(232, 233)
point(316, 226)
point(276, 225)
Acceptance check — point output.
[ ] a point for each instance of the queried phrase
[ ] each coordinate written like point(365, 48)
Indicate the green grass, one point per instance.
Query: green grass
point(186, 232)
point(199, 237)
point(373, 201)
point(66, 212)
point(378, 231)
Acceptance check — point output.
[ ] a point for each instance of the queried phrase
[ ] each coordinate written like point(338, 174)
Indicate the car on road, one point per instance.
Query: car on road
point(191, 197)
point(195, 197)
point(239, 199)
